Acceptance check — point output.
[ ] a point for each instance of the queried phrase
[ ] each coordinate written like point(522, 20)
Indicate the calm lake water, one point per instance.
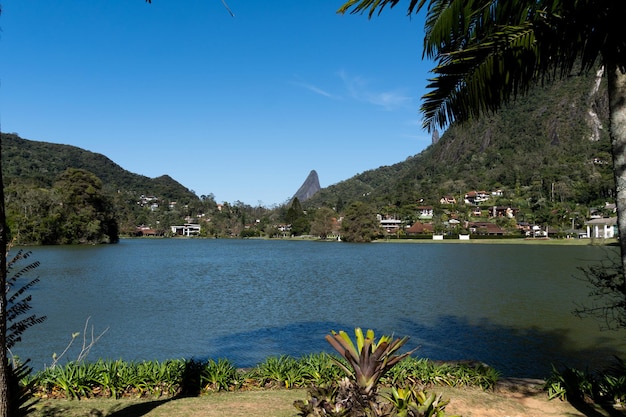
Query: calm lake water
point(506, 305)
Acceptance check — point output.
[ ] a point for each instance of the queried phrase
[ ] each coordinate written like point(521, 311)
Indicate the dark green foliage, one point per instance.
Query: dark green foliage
point(20, 389)
point(602, 386)
point(360, 223)
point(42, 210)
point(297, 218)
point(18, 303)
point(74, 210)
point(39, 163)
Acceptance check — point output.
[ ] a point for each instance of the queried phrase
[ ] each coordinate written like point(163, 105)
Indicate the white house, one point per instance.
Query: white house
point(390, 225)
point(602, 228)
point(187, 229)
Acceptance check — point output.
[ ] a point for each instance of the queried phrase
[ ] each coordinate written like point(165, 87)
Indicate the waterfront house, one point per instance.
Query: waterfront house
point(420, 228)
point(389, 224)
point(485, 228)
point(605, 227)
point(187, 229)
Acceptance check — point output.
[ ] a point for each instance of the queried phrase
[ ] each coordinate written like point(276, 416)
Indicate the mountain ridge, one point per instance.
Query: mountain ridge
point(42, 162)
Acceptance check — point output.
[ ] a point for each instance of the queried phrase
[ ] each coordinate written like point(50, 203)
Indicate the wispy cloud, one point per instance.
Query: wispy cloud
point(316, 89)
point(359, 89)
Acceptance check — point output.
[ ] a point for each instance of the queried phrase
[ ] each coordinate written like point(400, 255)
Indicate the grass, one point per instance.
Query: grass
point(261, 403)
point(465, 401)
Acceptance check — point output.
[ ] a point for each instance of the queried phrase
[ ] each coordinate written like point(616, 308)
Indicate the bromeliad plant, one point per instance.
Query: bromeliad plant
point(368, 360)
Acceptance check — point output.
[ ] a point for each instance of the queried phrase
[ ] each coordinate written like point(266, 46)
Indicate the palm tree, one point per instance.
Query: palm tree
point(487, 52)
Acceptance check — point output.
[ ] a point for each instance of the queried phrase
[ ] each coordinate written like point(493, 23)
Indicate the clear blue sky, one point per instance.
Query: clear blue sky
point(241, 107)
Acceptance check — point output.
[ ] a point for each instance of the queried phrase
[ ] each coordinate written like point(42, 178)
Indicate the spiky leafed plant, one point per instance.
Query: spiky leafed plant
point(369, 360)
point(18, 303)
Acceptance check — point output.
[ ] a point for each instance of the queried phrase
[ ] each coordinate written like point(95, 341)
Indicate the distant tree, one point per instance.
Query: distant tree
point(86, 214)
point(323, 222)
point(300, 226)
point(359, 223)
point(297, 218)
point(295, 211)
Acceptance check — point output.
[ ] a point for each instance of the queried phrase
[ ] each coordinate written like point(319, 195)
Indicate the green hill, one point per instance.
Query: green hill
point(41, 163)
point(550, 147)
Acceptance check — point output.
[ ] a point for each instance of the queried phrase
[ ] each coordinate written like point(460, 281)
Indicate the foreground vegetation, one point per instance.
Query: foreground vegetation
point(349, 385)
point(254, 401)
point(119, 379)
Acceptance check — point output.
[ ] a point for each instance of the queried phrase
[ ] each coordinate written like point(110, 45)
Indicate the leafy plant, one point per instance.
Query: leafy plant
point(19, 388)
point(282, 370)
point(411, 402)
point(320, 369)
point(366, 362)
point(570, 384)
point(219, 375)
point(369, 360)
point(18, 303)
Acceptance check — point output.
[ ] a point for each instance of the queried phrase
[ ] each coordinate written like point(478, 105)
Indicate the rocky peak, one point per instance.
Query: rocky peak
point(308, 189)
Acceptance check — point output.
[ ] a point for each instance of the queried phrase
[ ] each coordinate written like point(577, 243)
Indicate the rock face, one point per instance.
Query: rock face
point(308, 189)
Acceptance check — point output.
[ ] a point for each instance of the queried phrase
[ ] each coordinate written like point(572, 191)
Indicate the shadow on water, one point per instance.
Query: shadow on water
point(514, 352)
point(248, 349)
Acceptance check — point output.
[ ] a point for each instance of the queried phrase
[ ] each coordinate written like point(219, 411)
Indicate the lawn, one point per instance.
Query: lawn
point(512, 401)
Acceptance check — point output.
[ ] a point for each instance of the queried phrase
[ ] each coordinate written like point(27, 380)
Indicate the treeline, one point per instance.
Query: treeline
point(73, 210)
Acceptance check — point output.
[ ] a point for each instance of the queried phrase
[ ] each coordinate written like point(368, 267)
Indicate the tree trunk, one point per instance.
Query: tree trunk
point(617, 109)
point(4, 394)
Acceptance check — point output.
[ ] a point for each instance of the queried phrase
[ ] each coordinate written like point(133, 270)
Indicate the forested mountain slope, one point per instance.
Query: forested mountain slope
point(41, 163)
point(549, 147)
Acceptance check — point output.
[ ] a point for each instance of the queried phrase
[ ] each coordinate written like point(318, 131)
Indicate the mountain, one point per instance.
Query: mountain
point(309, 188)
point(41, 163)
point(550, 146)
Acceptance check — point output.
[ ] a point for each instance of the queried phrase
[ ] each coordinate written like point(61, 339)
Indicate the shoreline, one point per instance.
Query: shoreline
point(527, 241)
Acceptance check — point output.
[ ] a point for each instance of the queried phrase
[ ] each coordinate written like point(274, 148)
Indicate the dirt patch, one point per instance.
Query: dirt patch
point(515, 398)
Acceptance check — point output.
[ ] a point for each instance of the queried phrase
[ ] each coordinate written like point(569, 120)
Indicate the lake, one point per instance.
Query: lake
point(507, 305)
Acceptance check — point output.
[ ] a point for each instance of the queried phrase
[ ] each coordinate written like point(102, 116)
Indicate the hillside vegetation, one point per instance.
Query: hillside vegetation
point(541, 151)
point(548, 155)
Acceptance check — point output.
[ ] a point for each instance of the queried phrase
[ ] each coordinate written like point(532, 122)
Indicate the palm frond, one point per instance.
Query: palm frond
point(361, 6)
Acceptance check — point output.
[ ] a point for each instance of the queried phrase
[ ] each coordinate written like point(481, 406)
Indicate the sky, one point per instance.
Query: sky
point(240, 107)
